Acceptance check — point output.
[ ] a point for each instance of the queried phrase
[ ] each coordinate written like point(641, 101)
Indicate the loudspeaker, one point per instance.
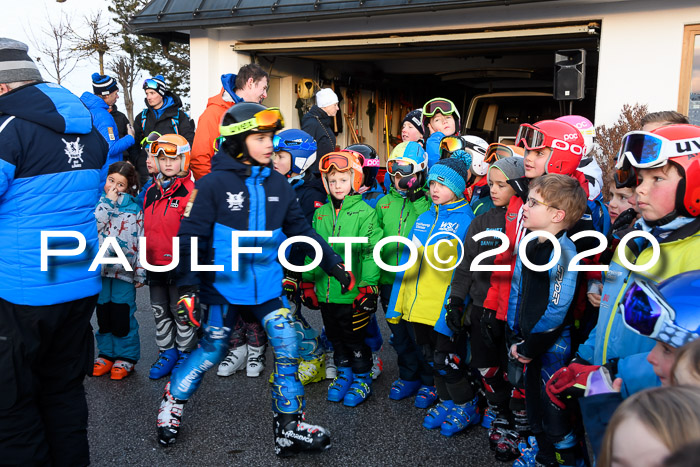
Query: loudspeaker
point(569, 74)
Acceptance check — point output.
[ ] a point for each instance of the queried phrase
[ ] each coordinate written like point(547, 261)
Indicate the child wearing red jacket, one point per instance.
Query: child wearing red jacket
point(164, 205)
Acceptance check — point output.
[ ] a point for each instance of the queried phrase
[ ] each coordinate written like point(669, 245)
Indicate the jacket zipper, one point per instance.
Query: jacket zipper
point(255, 239)
point(335, 222)
point(420, 265)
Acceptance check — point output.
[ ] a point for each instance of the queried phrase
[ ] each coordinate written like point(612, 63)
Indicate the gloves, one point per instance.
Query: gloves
point(308, 295)
point(569, 382)
point(624, 219)
point(290, 285)
point(188, 310)
point(454, 314)
point(346, 279)
point(491, 328)
point(415, 195)
point(366, 300)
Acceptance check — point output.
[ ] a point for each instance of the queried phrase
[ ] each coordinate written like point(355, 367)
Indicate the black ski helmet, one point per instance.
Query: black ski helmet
point(371, 167)
point(244, 119)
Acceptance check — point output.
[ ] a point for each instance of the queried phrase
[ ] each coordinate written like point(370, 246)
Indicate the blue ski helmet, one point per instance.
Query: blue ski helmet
point(300, 145)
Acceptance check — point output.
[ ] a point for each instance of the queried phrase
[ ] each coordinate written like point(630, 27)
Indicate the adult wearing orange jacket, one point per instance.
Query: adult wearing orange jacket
point(250, 85)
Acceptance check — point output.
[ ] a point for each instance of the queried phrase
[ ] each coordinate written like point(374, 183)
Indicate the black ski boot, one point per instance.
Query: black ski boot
point(169, 416)
point(293, 435)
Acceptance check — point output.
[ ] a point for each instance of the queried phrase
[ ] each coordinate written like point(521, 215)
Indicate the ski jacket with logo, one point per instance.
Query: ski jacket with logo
point(538, 309)
point(228, 203)
point(163, 210)
point(50, 165)
point(122, 220)
point(354, 219)
point(419, 293)
point(397, 214)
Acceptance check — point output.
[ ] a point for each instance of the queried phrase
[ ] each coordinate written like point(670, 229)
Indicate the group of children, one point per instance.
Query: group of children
point(491, 322)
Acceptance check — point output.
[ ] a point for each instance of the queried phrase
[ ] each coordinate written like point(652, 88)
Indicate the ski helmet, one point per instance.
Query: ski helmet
point(678, 144)
point(445, 107)
point(565, 141)
point(586, 128)
point(667, 311)
point(244, 119)
point(171, 146)
point(410, 161)
point(342, 161)
point(371, 166)
point(477, 148)
point(300, 145)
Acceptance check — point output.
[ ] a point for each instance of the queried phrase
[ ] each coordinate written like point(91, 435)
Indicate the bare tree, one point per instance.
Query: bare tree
point(57, 57)
point(99, 39)
point(126, 72)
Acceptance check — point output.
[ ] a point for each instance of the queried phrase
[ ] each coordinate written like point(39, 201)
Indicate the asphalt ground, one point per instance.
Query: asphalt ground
point(229, 421)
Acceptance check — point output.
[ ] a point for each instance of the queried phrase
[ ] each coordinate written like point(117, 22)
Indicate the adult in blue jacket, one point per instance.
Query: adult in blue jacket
point(49, 173)
point(105, 93)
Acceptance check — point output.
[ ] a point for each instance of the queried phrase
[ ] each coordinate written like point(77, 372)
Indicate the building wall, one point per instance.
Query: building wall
point(640, 46)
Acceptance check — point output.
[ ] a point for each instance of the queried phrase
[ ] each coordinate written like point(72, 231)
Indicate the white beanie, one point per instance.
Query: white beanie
point(326, 97)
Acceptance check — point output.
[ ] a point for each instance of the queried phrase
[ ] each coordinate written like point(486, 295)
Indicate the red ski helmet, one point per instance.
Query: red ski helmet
point(563, 138)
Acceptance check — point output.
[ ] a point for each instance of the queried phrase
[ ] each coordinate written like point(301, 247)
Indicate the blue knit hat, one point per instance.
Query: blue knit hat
point(157, 83)
point(452, 173)
point(103, 85)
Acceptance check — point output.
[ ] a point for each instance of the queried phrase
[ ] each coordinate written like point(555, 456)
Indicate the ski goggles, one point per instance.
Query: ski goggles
point(339, 161)
point(625, 175)
point(281, 144)
point(643, 150)
point(445, 106)
point(450, 144)
point(167, 149)
point(265, 120)
point(498, 151)
point(148, 140)
point(403, 167)
point(532, 138)
point(152, 84)
point(645, 311)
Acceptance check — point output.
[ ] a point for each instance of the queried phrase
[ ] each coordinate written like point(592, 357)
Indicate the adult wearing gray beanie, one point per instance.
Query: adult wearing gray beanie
point(49, 182)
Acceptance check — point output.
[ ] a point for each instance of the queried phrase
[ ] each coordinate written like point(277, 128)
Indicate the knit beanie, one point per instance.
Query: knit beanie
point(15, 64)
point(452, 173)
point(511, 167)
point(326, 97)
point(159, 81)
point(103, 85)
point(415, 118)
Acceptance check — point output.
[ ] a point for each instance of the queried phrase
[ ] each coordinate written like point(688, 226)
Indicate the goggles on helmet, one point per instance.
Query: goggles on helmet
point(446, 107)
point(498, 151)
point(340, 162)
point(266, 120)
point(167, 149)
point(644, 150)
point(532, 138)
point(281, 144)
point(450, 144)
point(645, 310)
point(151, 84)
point(625, 175)
point(148, 140)
point(403, 167)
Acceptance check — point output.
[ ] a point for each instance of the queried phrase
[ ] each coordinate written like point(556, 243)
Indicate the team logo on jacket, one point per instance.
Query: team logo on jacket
point(235, 201)
point(510, 217)
point(318, 204)
point(74, 151)
point(449, 226)
point(175, 203)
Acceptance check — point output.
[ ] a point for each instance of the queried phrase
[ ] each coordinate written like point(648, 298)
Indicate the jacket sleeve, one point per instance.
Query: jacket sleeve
point(637, 374)
point(138, 132)
point(139, 271)
point(562, 289)
point(185, 127)
point(432, 147)
point(198, 221)
point(202, 148)
point(462, 278)
point(103, 213)
point(295, 223)
point(370, 269)
point(121, 145)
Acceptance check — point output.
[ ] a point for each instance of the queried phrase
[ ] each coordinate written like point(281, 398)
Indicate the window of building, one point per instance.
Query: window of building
point(689, 96)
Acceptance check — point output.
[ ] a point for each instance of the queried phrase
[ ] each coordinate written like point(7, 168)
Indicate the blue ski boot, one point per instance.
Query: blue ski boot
point(359, 391)
point(436, 415)
point(460, 417)
point(165, 363)
point(402, 389)
point(340, 385)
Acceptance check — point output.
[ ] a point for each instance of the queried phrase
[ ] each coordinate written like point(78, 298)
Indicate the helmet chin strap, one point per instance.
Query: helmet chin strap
point(664, 220)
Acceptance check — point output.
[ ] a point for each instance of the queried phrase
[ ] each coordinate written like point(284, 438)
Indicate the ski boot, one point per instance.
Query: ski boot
point(165, 363)
point(377, 365)
point(331, 369)
point(169, 417)
point(427, 395)
point(256, 361)
point(234, 361)
point(340, 385)
point(102, 366)
point(293, 435)
point(436, 415)
point(527, 453)
point(359, 391)
point(402, 389)
point(460, 417)
point(312, 371)
point(507, 448)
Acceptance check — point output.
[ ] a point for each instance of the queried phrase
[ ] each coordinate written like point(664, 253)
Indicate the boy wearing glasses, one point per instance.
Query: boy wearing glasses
point(345, 313)
point(243, 193)
point(163, 114)
point(539, 318)
point(440, 119)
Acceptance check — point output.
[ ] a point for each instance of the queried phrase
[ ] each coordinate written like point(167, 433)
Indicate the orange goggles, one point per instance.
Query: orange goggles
point(498, 151)
point(167, 149)
point(341, 162)
point(265, 120)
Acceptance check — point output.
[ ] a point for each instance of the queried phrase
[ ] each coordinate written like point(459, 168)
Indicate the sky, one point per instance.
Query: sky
point(28, 18)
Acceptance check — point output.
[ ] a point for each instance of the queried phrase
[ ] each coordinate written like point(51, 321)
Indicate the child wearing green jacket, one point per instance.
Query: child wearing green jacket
point(346, 314)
